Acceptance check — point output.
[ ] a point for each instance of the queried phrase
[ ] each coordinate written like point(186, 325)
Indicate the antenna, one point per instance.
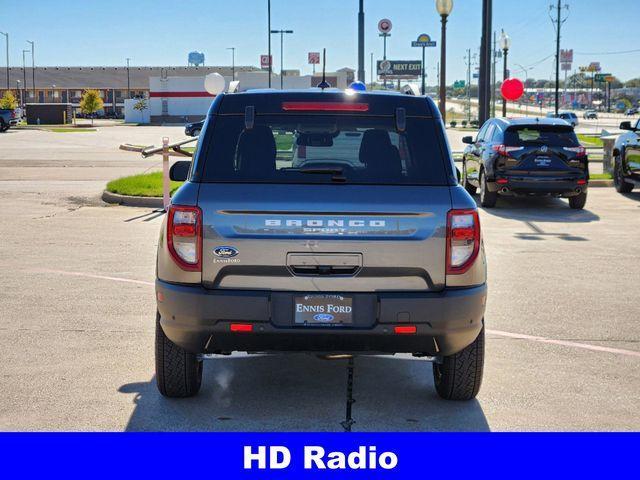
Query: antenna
point(324, 84)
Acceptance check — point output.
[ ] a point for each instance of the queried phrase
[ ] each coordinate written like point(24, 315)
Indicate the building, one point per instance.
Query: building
point(115, 84)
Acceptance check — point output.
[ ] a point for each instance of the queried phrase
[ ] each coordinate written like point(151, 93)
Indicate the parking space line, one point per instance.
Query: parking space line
point(519, 336)
point(565, 343)
point(90, 275)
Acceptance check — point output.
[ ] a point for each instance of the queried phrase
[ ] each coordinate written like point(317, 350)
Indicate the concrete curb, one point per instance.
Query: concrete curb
point(600, 183)
point(129, 201)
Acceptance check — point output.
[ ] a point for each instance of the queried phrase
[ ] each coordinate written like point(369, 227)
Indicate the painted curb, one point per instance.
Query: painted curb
point(129, 201)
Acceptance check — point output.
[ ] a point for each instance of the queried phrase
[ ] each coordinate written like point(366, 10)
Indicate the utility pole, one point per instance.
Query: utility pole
point(468, 62)
point(33, 68)
point(558, 21)
point(128, 80)
point(485, 70)
point(361, 77)
point(6, 36)
point(493, 74)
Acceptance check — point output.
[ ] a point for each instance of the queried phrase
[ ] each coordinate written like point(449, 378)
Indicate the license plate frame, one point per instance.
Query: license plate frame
point(542, 161)
point(323, 310)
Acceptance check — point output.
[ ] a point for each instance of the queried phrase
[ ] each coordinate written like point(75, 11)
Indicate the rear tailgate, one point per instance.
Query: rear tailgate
point(332, 238)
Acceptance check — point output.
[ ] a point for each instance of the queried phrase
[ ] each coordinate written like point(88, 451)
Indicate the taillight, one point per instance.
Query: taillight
point(463, 240)
point(184, 236)
point(579, 151)
point(505, 151)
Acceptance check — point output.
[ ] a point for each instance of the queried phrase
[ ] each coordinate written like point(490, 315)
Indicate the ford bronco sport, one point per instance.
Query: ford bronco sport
point(321, 221)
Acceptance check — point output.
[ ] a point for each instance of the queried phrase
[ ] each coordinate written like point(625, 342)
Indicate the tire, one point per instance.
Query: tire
point(459, 376)
point(4, 127)
point(487, 199)
point(618, 177)
point(178, 372)
point(577, 202)
point(195, 133)
point(465, 183)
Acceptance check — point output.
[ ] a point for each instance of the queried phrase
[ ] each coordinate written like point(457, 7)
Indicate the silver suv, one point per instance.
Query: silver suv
point(321, 221)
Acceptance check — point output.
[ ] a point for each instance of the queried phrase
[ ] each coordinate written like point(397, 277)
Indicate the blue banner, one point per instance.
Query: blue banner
point(314, 455)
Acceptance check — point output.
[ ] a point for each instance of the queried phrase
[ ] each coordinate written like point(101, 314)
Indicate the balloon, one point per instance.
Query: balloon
point(512, 89)
point(214, 83)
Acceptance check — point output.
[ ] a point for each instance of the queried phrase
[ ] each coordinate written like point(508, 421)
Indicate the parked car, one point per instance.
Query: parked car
point(590, 115)
point(373, 248)
point(626, 152)
point(7, 119)
point(193, 129)
point(526, 156)
point(570, 117)
point(632, 111)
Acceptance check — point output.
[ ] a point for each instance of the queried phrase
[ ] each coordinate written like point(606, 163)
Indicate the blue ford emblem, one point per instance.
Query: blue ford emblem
point(323, 317)
point(225, 252)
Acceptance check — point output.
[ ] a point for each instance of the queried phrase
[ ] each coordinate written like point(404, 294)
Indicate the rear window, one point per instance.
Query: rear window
point(353, 149)
point(553, 136)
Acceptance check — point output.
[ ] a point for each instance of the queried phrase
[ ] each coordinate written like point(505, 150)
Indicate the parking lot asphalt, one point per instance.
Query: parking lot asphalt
point(77, 317)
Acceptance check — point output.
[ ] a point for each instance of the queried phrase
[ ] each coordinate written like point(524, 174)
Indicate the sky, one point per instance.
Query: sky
point(163, 32)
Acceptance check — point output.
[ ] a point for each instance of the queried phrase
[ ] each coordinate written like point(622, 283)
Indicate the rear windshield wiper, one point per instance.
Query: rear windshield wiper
point(337, 172)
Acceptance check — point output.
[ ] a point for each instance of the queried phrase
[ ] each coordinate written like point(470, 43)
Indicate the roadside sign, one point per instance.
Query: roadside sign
point(609, 78)
point(566, 56)
point(399, 69)
point(314, 58)
point(566, 67)
point(423, 41)
point(384, 25)
point(476, 75)
point(601, 77)
point(264, 62)
point(459, 84)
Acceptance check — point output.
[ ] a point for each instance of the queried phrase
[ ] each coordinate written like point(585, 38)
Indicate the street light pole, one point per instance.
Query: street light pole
point(361, 77)
point(6, 36)
point(24, 77)
point(484, 79)
point(281, 32)
point(33, 68)
point(128, 79)
point(444, 8)
point(269, 35)
point(505, 44)
point(233, 62)
point(371, 69)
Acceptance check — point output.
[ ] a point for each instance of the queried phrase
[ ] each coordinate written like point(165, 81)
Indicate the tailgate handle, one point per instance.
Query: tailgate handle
point(324, 264)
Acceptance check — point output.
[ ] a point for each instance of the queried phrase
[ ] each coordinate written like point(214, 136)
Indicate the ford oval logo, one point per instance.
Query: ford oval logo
point(225, 252)
point(323, 317)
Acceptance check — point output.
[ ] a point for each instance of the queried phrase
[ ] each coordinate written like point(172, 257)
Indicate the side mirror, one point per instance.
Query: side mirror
point(459, 175)
point(467, 140)
point(180, 171)
point(626, 126)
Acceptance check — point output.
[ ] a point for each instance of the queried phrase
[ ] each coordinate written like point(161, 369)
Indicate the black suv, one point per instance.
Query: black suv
point(627, 158)
point(526, 156)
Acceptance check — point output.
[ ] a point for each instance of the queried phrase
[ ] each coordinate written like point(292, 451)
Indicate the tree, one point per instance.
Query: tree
point(141, 106)
point(8, 101)
point(633, 83)
point(91, 102)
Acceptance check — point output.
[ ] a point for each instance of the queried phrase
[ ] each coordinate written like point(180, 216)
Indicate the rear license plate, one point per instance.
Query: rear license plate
point(543, 161)
point(330, 310)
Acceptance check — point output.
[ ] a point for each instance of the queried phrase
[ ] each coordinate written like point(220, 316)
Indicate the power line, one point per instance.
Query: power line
point(608, 53)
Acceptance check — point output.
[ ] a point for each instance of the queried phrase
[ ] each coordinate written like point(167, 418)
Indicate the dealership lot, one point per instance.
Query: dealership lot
point(77, 316)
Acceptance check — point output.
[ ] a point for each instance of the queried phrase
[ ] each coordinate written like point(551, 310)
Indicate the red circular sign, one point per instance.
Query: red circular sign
point(512, 89)
point(384, 25)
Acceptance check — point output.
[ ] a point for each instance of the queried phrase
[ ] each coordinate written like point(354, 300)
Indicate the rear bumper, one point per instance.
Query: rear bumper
point(566, 186)
point(199, 320)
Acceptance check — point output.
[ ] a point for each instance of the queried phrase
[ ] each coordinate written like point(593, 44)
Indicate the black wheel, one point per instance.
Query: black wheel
point(196, 132)
point(4, 127)
point(459, 376)
point(577, 202)
point(487, 199)
point(465, 182)
point(178, 372)
point(618, 177)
